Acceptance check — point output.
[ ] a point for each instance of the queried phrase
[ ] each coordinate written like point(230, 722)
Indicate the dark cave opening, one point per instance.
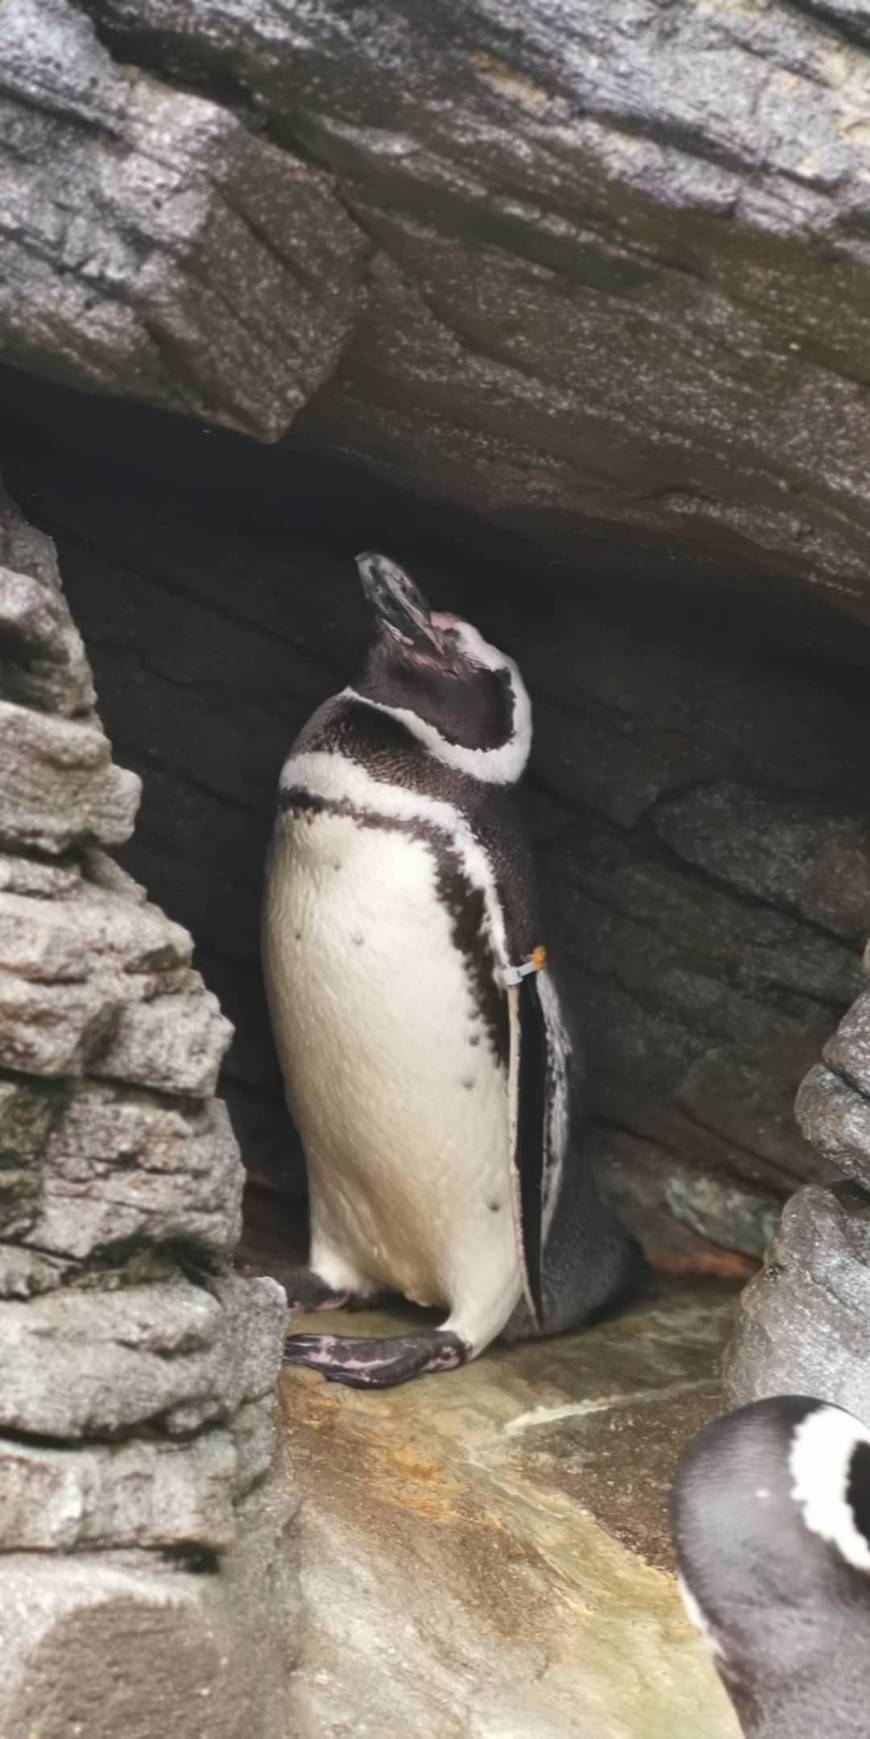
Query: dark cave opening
point(697, 794)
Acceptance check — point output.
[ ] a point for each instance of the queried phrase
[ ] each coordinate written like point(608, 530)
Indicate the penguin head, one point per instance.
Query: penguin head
point(463, 699)
point(771, 1519)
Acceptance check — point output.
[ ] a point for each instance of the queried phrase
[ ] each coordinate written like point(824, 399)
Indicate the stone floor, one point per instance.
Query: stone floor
point(485, 1554)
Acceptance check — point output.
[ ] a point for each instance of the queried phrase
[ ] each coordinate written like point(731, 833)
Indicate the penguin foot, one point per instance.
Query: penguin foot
point(376, 1364)
point(305, 1290)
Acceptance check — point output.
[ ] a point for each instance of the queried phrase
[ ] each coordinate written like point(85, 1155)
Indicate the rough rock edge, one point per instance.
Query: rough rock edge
point(139, 1375)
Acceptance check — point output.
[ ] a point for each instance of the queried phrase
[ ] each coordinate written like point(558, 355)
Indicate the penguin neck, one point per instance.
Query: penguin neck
point(481, 727)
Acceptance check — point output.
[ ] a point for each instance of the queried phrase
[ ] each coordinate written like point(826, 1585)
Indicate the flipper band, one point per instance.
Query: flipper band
point(511, 975)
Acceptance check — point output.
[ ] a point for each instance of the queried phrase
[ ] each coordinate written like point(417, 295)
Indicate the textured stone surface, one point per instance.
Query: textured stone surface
point(153, 243)
point(139, 1374)
point(619, 261)
point(133, 1494)
point(59, 786)
point(112, 1643)
point(836, 1120)
point(99, 979)
point(486, 1555)
point(174, 1043)
point(61, 941)
point(148, 1493)
point(42, 660)
point(802, 1323)
point(848, 1051)
point(120, 1166)
point(76, 1362)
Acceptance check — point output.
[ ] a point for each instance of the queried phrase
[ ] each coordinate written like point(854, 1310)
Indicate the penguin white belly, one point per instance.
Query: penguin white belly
point(399, 1098)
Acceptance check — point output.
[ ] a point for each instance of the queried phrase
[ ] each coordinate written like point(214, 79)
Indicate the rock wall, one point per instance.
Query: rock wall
point(141, 1515)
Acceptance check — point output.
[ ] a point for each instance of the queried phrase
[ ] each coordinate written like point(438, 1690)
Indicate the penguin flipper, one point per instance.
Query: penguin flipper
point(528, 1098)
point(376, 1364)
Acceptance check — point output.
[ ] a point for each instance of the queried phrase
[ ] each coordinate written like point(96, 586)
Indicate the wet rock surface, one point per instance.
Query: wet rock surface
point(137, 1371)
point(486, 1553)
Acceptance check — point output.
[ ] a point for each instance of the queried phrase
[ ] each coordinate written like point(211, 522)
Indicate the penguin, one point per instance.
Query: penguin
point(422, 1039)
point(770, 1515)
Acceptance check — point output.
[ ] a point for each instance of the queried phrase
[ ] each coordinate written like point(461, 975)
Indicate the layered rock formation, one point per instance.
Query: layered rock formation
point(137, 1372)
point(578, 267)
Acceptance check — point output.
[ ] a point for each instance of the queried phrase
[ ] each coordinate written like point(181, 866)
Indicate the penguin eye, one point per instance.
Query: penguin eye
point(858, 1489)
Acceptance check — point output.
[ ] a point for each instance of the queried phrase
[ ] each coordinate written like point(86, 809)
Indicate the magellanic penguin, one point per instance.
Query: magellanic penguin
point(426, 1059)
point(771, 1521)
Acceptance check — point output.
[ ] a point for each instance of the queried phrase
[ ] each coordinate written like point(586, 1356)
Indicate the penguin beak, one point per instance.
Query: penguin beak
point(395, 600)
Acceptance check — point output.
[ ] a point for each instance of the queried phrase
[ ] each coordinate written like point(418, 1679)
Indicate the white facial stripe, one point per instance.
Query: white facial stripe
point(502, 766)
point(819, 1465)
point(696, 1617)
point(336, 779)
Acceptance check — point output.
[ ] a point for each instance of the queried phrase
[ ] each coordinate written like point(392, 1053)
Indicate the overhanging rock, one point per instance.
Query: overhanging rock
point(619, 272)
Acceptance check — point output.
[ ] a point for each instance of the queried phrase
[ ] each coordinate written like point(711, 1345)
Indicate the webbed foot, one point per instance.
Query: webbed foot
point(376, 1364)
point(305, 1290)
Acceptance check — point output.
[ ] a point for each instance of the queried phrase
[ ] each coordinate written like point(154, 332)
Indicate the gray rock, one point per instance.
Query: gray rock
point(171, 252)
point(24, 1273)
point(99, 980)
point(836, 1120)
point(119, 1165)
point(26, 1115)
point(254, 1429)
point(602, 295)
point(43, 660)
point(58, 785)
point(802, 1323)
point(63, 941)
point(174, 1043)
point(128, 1494)
point(41, 881)
point(801, 854)
point(110, 1643)
point(105, 873)
point(63, 1029)
point(23, 548)
point(848, 1051)
point(75, 1363)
